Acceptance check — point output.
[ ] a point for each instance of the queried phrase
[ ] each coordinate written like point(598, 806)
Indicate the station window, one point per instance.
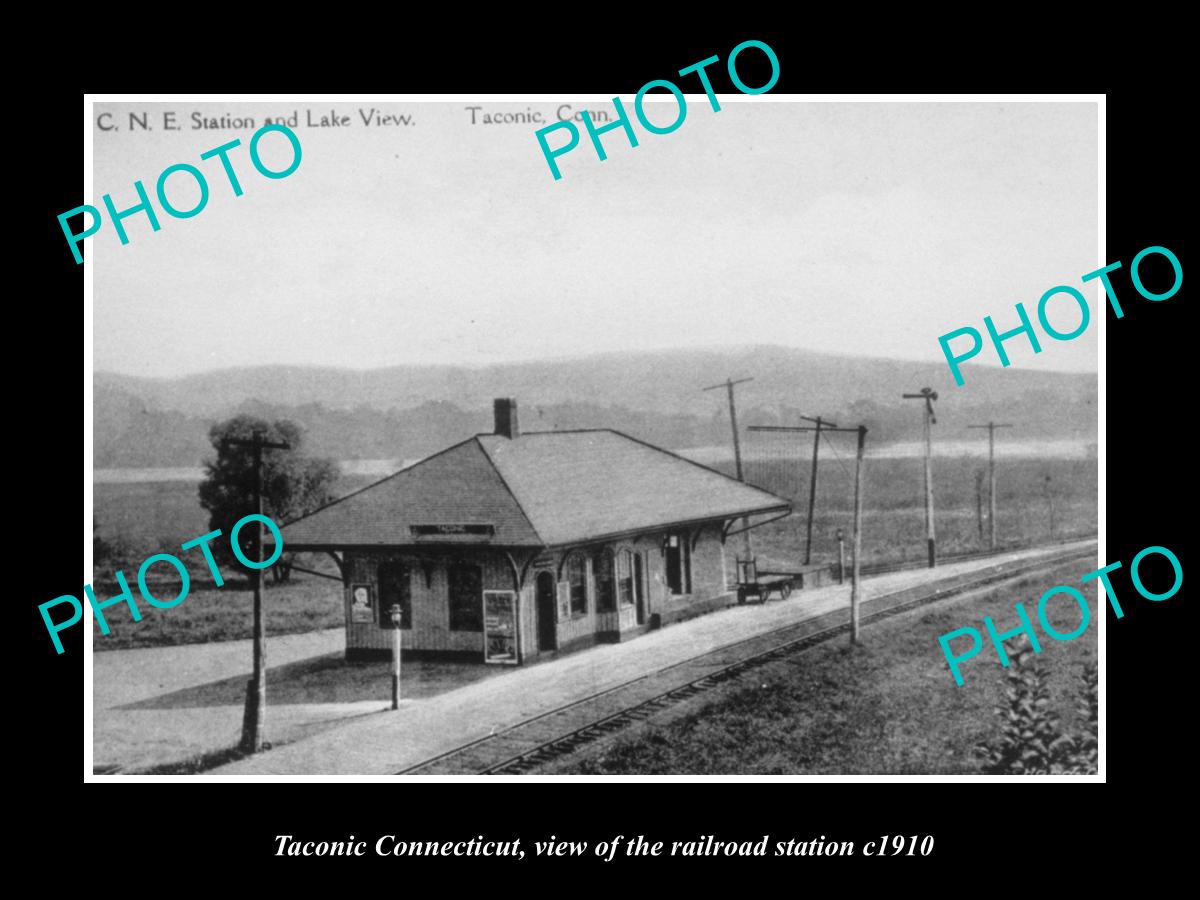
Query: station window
point(394, 587)
point(625, 577)
point(466, 597)
point(679, 563)
point(602, 571)
point(577, 578)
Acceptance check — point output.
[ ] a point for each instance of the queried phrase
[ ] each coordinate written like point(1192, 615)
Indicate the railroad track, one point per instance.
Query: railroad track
point(541, 739)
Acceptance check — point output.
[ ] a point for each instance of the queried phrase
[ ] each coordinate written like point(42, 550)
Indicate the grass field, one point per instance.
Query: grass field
point(209, 613)
point(1030, 508)
point(886, 706)
point(153, 516)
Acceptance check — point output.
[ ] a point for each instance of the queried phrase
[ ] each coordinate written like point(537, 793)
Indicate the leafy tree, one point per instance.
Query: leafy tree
point(293, 484)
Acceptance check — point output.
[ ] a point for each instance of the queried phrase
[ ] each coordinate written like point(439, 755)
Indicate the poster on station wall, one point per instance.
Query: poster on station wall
point(564, 600)
point(361, 609)
point(500, 627)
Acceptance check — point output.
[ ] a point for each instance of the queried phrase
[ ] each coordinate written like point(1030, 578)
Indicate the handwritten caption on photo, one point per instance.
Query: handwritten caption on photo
point(145, 206)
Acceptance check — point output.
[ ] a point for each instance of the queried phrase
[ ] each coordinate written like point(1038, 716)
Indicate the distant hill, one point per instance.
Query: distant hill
point(410, 411)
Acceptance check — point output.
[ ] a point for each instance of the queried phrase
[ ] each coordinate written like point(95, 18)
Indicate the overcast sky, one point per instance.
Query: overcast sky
point(849, 228)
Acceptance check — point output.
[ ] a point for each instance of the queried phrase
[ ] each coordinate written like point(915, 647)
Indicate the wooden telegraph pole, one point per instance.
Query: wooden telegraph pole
point(928, 396)
point(991, 427)
point(979, 504)
point(812, 489)
point(737, 447)
point(812, 486)
point(253, 722)
point(855, 570)
point(858, 501)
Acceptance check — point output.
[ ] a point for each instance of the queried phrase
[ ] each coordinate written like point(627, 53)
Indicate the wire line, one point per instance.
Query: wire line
point(838, 456)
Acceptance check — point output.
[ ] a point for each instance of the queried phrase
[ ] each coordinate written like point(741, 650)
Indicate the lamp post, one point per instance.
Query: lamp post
point(395, 612)
point(841, 539)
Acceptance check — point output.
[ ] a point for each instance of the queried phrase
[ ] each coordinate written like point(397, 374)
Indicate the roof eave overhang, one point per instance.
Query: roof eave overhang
point(327, 547)
point(667, 526)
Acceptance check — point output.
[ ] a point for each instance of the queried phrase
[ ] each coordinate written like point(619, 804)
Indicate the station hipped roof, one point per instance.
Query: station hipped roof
point(539, 489)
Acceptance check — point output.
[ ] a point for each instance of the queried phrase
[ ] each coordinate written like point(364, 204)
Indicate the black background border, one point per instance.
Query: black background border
point(983, 828)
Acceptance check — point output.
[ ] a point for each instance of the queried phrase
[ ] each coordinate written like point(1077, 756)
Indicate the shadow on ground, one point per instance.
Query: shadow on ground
point(328, 679)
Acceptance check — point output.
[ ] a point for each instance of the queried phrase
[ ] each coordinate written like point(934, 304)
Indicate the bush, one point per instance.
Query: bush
point(109, 553)
point(1032, 741)
point(1083, 758)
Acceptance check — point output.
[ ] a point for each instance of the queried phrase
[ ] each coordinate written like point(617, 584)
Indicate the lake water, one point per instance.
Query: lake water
point(377, 468)
point(845, 443)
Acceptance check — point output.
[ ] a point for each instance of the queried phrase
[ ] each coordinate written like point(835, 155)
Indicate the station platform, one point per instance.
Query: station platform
point(388, 742)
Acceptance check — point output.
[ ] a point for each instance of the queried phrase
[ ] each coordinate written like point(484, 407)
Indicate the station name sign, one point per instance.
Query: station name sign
point(438, 530)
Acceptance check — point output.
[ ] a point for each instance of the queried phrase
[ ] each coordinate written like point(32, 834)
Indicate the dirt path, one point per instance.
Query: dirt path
point(127, 676)
point(131, 738)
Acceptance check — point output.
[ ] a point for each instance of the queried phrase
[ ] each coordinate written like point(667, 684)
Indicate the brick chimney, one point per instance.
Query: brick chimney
point(506, 417)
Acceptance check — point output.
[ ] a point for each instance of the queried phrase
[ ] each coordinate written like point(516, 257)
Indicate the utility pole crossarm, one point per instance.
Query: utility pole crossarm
point(824, 427)
point(726, 384)
point(821, 423)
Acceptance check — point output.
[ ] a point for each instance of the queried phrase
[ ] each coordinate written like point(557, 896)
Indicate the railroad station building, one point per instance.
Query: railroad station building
point(510, 545)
